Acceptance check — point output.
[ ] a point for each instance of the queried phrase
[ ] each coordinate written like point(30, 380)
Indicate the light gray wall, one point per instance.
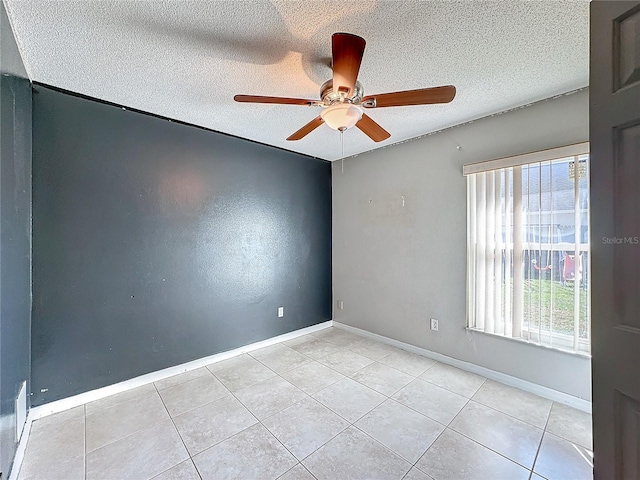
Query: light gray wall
point(395, 267)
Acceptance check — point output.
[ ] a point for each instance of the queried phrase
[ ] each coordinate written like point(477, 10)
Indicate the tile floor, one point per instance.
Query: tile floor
point(329, 405)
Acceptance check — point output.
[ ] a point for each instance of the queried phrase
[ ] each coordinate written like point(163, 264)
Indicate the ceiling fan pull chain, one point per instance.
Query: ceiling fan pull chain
point(342, 148)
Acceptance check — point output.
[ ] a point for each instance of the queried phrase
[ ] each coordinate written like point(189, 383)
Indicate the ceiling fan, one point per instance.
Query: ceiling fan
point(342, 98)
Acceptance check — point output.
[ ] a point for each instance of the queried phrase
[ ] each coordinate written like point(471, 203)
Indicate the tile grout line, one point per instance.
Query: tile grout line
point(349, 423)
point(415, 465)
point(128, 434)
point(544, 431)
point(179, 435)
point(447, 427)
point(259, 422)
point(388, 397)
point(486, 446)
point(509, 415)
point(489, 448)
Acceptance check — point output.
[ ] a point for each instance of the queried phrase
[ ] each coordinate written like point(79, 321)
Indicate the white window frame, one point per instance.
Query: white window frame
point(514, 329)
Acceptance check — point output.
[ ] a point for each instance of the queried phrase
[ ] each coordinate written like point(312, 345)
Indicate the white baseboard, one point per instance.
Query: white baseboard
point(534, 388)
point(22, 447)
point(77, 400)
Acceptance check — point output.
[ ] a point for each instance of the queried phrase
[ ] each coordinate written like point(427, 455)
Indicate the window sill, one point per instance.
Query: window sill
point(533, 344)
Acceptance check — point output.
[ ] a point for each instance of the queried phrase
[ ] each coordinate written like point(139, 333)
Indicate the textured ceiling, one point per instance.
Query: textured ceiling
point(186, 59)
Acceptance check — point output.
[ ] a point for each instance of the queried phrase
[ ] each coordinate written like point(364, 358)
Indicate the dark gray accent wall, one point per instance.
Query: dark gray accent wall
point(15, 235)
point(156, 243)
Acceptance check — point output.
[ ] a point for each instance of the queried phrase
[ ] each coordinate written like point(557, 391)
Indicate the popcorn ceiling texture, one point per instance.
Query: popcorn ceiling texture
point(186, 59)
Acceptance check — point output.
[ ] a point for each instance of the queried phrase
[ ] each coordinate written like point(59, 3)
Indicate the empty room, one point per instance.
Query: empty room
point(298, 240)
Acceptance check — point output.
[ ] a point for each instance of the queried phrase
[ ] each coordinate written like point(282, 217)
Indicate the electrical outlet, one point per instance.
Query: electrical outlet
point(340, 305)
point(434, 324)
point(280, 312)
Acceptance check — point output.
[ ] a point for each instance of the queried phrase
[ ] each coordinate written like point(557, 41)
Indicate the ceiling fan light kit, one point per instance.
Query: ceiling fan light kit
point(341, 116)
point(342, 97)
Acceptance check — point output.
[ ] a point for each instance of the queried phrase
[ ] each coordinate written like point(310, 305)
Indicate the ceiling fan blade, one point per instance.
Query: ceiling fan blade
point(372, 129)
point(422, 96)
point(347, 51)
point(277, 100)
point(308, 128)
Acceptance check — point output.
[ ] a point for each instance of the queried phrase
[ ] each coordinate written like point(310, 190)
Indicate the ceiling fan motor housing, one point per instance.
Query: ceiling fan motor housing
point(331, 97)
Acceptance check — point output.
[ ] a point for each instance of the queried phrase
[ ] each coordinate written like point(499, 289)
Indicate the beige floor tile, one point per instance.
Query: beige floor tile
point(182, 378)
point(349, 399)
point(372, 349)
point(192, 394)
point(402, 430)
point(282, 359)
point(346, 362)
point(264, 351)
point(236, 457)
point(506, 435)
point(144, 454)
point(570, 424)
point(339, 337)
point(455, 457)
point(323, 331)
point(354, 455)
point(305, 426)
point(237, 361)
point(297, 473)
point(212, 423)
point(110, 424)
point(430, 400)
point(408, 362)
point(316, 348)
point(415, 474)
point(458, 381)
point(382, 378)
point(559, 459)
point(183, 471)
point(70, 470)
point(122, 397)
point(299, 340)
point(271, 396)
point(242, 372)
point(53, 440)
point(312, 377)
point(523, 405)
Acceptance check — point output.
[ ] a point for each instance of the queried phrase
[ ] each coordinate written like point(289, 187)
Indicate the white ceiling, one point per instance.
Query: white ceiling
point(186, 59)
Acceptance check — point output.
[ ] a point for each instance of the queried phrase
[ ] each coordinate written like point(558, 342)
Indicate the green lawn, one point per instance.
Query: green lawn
point(539, 308)
point(537, 299)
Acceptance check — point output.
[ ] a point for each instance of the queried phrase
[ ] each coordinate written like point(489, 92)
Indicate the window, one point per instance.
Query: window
point(528, 247)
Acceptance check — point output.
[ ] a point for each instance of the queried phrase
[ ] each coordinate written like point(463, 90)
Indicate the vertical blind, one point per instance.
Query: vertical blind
point(528, 249)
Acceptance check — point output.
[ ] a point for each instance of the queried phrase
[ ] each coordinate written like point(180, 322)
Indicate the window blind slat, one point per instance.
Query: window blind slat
point(518, 277)
point(481, 251)
point(471, 249)
point(508, 291)
point(497, 264)
point(489, 319)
